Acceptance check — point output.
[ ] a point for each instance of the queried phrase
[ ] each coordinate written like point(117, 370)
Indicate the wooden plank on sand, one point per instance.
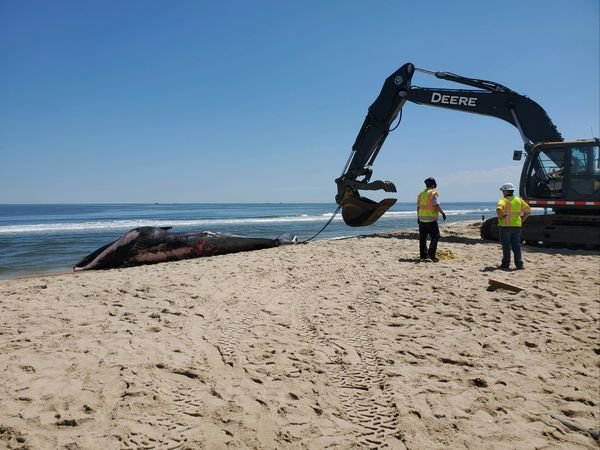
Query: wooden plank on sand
point(495, 284)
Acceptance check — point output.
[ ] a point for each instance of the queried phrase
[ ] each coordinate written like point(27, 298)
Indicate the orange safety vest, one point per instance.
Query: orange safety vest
point(513, 207)
point(427, 210)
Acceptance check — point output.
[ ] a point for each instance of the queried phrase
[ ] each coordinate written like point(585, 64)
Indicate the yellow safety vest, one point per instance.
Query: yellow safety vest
point(513, 207)
point(427, 210)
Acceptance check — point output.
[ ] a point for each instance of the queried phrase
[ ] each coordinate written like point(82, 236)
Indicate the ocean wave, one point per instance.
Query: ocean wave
point(61, 227)
point(129, 224)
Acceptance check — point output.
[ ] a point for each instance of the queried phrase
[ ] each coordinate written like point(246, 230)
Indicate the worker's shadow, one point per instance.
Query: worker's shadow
point(411, 235)
point(420, 261)
point(494, 269)
point(414, 261)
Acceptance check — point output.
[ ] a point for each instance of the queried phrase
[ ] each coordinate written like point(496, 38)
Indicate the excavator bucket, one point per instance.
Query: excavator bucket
point(360, 211)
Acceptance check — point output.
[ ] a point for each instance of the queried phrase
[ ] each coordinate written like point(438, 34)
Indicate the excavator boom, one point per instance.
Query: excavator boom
point(526, 115)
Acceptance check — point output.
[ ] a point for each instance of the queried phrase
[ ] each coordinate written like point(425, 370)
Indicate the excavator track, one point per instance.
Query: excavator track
point(554, 230)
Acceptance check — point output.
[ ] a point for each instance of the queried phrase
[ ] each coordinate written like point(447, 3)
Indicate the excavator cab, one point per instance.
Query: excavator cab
point(562, 174)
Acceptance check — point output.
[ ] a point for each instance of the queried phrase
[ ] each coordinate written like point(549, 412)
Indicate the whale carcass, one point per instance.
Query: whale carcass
point(149, 245)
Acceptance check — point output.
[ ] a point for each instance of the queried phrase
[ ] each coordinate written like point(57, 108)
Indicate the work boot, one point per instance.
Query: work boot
point(434, 259)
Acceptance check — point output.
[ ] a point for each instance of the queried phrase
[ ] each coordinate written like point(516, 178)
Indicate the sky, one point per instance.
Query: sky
point(260, 101)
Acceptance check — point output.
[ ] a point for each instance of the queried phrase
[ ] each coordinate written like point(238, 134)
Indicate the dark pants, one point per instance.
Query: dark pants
point(510, 238)
point(428, 229)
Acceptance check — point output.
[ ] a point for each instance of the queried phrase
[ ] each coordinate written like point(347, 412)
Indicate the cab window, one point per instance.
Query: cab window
point(584, 173)
point(585, 161)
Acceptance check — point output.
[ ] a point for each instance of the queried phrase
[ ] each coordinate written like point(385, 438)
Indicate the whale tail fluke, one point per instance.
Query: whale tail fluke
point(287, 239)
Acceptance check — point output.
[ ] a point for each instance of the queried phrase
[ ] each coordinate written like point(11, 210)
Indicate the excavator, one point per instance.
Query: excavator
point(557, 175)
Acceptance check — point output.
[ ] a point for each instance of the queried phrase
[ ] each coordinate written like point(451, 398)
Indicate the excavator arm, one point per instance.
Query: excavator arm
point(357, 210)
point(490, 99)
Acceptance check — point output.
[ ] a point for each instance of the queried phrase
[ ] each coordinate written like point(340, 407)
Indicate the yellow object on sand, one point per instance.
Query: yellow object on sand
point(446, 255)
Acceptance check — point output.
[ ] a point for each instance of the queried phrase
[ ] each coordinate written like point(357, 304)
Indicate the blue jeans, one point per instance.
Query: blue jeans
point(510, 238)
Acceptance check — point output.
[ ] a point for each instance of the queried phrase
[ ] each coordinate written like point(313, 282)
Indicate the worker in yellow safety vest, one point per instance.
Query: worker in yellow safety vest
point(428, 209)
point(512, 211)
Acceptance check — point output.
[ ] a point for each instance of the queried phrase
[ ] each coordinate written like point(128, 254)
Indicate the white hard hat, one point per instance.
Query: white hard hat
point(507, 187)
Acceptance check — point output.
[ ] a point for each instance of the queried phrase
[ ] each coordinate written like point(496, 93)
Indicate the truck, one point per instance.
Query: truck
point(562, 177)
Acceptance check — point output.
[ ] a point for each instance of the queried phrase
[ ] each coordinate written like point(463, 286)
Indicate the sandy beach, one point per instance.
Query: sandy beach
point(350, 343)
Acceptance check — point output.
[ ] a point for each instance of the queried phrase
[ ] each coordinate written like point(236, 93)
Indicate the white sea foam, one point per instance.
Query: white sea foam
point(128, 224)
point(61, 227)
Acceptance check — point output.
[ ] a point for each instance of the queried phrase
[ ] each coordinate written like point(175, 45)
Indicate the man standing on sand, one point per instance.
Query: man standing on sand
point(428, 208)
point(512, 211)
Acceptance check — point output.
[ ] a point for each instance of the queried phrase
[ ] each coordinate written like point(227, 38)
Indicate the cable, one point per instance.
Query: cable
point(399, 119)
point(324, 226)
point(339, 207)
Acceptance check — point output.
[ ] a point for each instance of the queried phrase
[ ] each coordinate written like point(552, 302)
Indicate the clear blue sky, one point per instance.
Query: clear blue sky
point(261, 101)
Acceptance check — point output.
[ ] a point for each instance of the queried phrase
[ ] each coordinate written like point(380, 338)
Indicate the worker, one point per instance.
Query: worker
point(428, 210)
point(512, 211)
point(555, 181)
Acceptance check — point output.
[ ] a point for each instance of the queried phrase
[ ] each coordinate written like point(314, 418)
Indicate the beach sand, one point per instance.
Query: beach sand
point(348, 343)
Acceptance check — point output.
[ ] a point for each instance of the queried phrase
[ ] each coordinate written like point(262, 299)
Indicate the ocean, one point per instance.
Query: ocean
point(46, 239)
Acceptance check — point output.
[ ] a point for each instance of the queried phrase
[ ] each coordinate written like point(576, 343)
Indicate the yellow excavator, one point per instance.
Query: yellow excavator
point(562, 176)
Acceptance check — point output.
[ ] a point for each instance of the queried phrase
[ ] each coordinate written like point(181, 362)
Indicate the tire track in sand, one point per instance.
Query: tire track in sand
point(354, 364)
